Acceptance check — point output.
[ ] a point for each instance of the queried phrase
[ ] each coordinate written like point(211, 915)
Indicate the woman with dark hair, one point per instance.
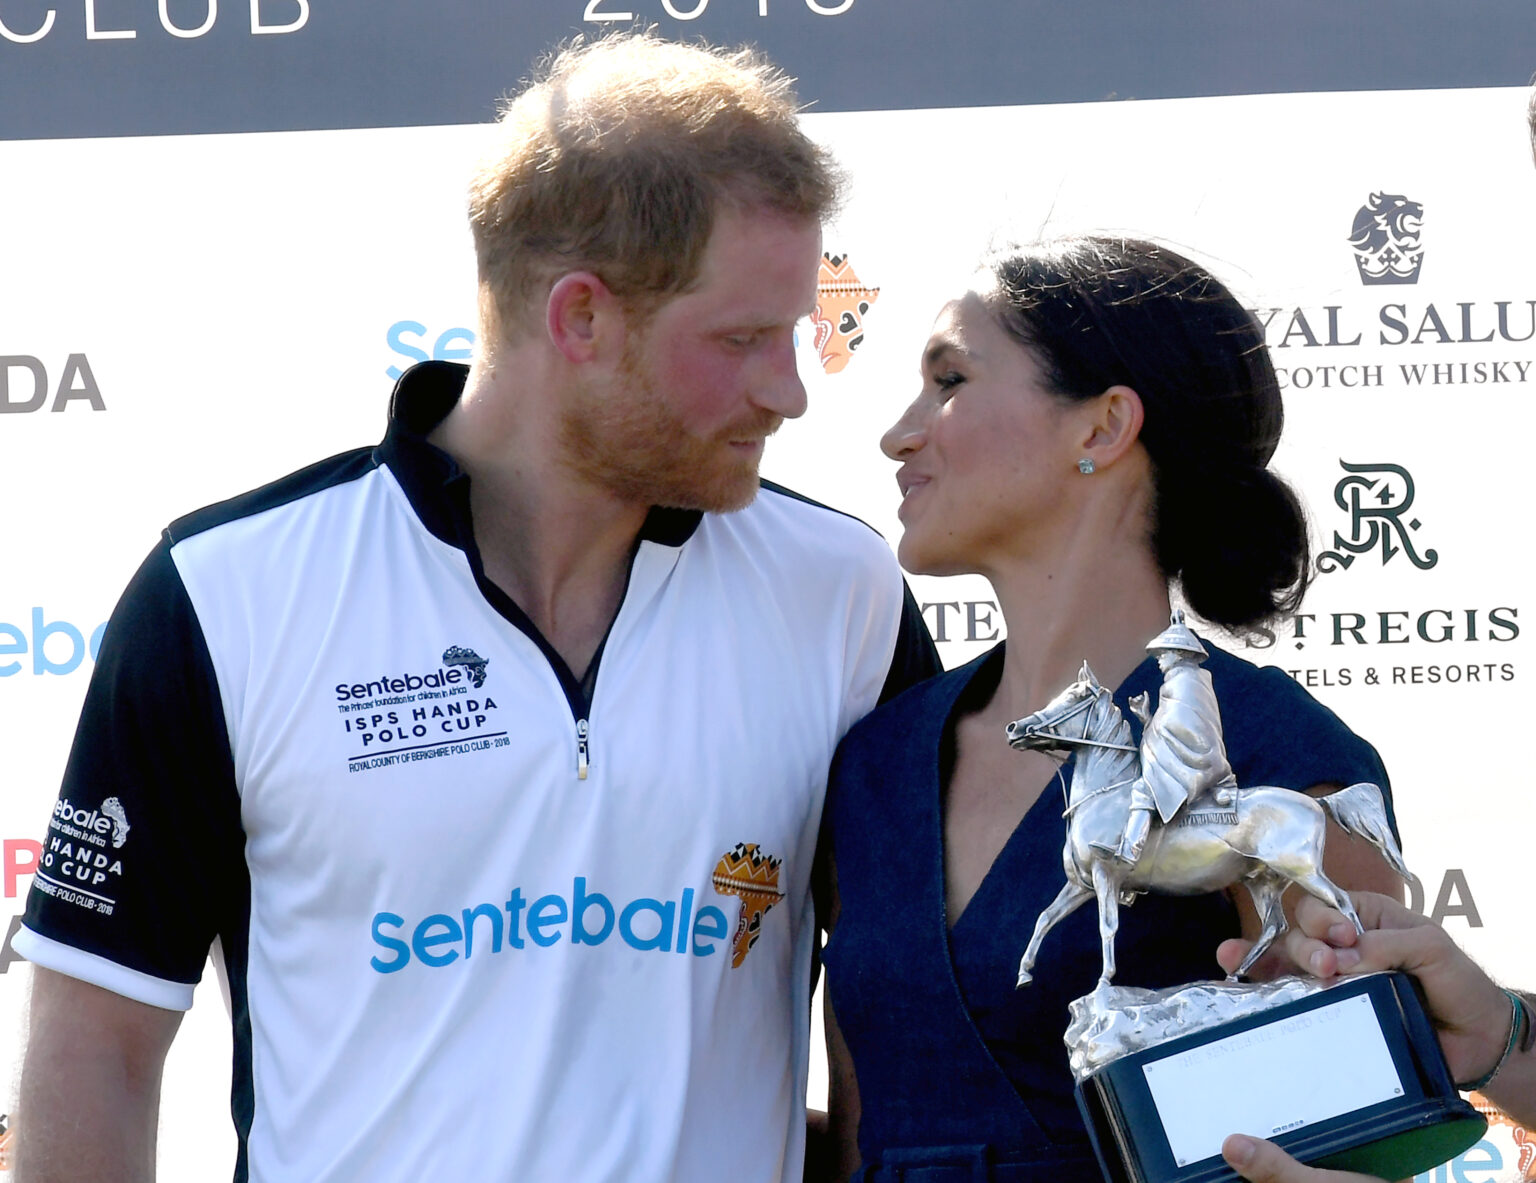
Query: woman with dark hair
point(1094, 428)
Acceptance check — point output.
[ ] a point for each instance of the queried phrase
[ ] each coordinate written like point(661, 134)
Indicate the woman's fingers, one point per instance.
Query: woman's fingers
point(1264, 1162)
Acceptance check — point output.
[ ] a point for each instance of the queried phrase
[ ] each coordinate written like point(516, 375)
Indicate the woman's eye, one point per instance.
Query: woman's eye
point(948, 381)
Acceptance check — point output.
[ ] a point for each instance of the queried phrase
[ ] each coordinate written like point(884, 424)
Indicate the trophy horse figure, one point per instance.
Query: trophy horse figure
point(1267, 838)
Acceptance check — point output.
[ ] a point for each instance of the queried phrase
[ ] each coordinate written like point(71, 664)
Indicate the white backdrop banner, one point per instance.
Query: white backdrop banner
point(185, 316)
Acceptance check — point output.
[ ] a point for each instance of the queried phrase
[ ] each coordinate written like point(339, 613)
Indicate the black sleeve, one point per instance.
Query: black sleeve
point(916, 657)
point(144, 851)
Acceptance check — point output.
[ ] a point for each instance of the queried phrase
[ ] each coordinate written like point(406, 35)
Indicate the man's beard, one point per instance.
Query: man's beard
point(629, 441)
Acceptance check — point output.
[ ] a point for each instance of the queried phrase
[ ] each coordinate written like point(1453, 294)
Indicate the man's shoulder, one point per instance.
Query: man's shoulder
point(805, 528)
point(308, 481)
point(772, 489)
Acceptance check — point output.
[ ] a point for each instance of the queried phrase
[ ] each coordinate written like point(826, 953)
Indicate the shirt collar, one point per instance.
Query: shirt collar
point(437, 487)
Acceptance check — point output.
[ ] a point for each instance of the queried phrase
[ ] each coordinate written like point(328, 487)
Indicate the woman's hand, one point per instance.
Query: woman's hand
point(1471, 1013)
point(1264, 1162)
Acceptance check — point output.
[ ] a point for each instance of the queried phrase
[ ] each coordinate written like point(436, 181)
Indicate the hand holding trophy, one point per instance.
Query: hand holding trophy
point(1164, 1076)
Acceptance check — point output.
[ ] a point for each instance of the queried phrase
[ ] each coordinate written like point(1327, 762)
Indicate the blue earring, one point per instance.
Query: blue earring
point(1085, 466)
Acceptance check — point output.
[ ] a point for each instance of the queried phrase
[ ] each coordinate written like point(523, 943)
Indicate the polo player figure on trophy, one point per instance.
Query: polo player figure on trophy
point(1208, 834)
point(1260, 836)
point(1182, 754)
point(1266, 838)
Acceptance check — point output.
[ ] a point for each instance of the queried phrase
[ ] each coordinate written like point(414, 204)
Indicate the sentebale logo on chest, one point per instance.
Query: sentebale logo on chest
point(525, 922)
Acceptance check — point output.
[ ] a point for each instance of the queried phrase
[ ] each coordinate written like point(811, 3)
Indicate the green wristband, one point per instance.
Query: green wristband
point(1519, 1020)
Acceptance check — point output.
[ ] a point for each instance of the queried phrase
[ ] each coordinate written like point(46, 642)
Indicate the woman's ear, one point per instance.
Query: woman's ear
point(1113, 425)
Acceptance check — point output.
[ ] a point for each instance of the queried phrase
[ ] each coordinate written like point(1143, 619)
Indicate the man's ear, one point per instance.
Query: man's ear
point(1113, 425)
point(584, 320)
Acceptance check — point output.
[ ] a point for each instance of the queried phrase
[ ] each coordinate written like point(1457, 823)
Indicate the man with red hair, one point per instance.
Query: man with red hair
point(442, 741)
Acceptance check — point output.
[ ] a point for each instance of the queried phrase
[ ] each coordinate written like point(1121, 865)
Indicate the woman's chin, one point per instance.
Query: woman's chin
point(919, 559)
point(910, 555)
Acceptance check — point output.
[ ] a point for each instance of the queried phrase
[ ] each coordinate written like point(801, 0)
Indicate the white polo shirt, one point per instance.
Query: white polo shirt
point(481, 920)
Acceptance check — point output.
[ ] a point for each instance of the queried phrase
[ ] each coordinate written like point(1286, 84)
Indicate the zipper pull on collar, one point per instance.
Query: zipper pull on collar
point(583, 753)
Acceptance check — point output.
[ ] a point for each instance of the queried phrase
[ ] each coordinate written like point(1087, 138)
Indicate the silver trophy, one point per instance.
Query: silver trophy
point(1164, 1075)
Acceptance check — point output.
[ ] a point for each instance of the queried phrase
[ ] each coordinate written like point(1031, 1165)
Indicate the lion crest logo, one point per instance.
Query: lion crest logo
point(1386, 239)
point(842, 300)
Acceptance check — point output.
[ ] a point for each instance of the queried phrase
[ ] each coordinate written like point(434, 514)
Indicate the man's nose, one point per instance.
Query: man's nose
point(781, 390)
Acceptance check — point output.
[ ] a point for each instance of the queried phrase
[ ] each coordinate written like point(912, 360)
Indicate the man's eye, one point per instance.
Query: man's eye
point(948, 381)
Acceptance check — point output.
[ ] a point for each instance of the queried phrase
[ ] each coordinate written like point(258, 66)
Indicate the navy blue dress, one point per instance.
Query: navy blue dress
point(961, 1075)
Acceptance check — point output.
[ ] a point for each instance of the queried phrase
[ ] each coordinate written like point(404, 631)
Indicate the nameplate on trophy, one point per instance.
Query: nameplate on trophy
point(1285, 1056)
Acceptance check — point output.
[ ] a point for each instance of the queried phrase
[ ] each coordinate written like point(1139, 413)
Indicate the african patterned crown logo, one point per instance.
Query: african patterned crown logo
point(842, 299)
point(1377, 498)
point(745, 872)
point(1386, 239)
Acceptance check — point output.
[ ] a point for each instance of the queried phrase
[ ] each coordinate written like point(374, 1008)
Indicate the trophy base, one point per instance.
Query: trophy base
point(1349, 1078)
point(1425, 1136)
